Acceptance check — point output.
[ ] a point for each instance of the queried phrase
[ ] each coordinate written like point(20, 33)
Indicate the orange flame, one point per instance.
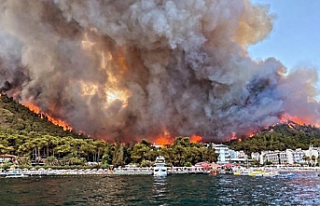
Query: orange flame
point(195, 138)
point(55, 121)
point(298, 120)
point(164, 139)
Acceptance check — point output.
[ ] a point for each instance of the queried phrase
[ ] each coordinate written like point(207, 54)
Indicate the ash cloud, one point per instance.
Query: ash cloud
point(132, 69)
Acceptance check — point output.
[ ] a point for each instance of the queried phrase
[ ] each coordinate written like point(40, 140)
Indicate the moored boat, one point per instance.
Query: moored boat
point(17, 176)
point(270, 174)
point(286, 175)
point(256, 173)
point(160, 169)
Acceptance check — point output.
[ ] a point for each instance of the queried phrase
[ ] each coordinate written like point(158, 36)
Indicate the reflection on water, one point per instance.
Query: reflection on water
point(172, 190)
point(159, 187)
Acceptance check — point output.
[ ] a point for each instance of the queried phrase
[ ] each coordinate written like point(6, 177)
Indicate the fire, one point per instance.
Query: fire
point(164, 139)
point(112, 88)
point(55, 121)
point(195, 138)
point(32, 107)
point(298, 120)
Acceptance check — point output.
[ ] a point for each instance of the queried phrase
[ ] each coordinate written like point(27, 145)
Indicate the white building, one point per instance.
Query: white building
point(255, 156)
point(297, 156)
point(289, 156)
point(227, 155)
point(312, 153)
point(223, 151)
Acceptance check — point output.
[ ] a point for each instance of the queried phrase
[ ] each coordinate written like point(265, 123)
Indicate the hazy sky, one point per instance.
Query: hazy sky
point(295, 39)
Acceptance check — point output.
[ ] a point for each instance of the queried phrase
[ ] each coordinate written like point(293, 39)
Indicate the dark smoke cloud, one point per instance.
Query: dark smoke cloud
point(135, 68)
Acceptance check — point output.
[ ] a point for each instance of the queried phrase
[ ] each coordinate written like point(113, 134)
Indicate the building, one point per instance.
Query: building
point(270, 156)
point(312, 153)
point(289, 156)
point(223, 151)
point(297, 156)
point(255, 156)
point(4, 158)
point(227, 155)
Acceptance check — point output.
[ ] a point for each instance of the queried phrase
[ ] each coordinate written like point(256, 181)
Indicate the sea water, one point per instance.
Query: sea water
point(303, 189)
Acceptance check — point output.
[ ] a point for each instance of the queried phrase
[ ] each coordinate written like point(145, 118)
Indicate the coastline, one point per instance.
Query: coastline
point(137, 171)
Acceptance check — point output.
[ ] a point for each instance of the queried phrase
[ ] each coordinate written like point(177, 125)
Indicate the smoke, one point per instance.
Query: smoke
point(131, 69)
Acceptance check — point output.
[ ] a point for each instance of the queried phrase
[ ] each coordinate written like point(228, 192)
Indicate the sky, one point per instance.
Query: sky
point(295, 39)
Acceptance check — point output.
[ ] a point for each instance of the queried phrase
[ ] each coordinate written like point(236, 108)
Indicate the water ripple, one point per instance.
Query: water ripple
point(172, 190)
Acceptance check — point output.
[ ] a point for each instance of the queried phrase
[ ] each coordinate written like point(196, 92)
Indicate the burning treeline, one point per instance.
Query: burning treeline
point(133, 69)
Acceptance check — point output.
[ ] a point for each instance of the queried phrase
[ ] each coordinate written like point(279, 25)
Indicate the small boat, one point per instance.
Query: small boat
point(241, 171)
point(270, 174)
point(256, 173)
point(286, 175)
point(160, 170)
point(17, 176)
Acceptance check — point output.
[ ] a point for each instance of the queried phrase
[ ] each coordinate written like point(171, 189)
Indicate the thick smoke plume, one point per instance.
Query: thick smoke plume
point(132, 69)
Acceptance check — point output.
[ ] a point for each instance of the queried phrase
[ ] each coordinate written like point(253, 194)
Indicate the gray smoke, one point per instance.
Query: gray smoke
point(132, 69)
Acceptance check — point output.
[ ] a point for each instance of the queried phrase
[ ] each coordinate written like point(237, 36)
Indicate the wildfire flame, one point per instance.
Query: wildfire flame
point(298, 120)
point(164, 139)
point(195, 138)
point(55, 121)
point(112, 88)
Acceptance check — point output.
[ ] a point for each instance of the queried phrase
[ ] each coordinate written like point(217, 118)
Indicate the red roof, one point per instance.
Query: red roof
point(7, 156)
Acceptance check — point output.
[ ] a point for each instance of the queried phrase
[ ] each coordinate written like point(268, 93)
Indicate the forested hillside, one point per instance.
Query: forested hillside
point(17, 117)
point(280, 137)
point(35, 139)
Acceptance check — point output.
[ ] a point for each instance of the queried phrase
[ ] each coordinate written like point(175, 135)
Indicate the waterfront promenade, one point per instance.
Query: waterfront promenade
point(134, 171)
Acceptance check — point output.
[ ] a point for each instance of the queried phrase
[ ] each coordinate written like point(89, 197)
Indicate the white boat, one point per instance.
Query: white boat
point(160, 168)
point(270, 173)
point(17, 176)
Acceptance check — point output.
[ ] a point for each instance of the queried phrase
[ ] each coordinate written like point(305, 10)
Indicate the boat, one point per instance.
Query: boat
point(256, 173)
point(270, 174)
point(160, 170)
point(17, 176)
point(286, 175)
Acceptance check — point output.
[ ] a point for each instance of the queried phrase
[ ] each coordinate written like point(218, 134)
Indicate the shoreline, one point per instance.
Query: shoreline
point(136, 171)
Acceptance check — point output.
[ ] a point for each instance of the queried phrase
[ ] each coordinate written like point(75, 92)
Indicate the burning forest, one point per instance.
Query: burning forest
point(150, 69)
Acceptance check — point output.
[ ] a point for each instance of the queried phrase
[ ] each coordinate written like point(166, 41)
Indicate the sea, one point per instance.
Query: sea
point(188, 189)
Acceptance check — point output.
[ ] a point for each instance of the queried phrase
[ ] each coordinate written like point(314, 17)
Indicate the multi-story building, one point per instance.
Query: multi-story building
point(255, 156)
point(297, 156)
point(289, 156)
point(227, 155)
point(270, 156)
point(223, 151)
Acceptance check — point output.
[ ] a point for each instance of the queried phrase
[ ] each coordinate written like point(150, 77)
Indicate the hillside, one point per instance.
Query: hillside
point(280, 137)
point(36, 140)
point(15, 116)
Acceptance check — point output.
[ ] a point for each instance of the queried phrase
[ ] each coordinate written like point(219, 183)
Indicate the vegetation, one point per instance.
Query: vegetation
point(36, 140)
point(280, 137)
